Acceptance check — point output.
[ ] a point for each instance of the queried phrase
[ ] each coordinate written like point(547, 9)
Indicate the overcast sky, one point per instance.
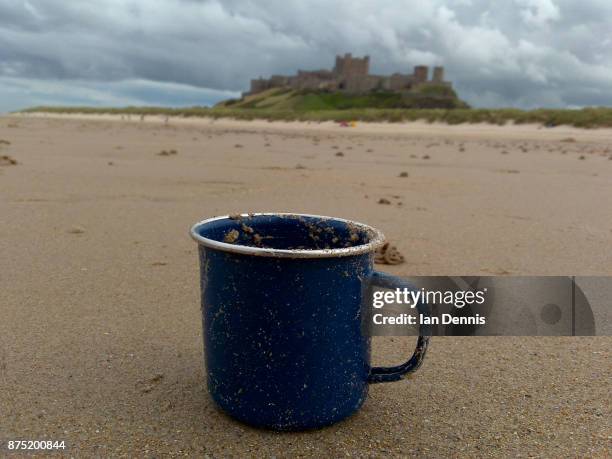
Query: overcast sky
point(523, 53)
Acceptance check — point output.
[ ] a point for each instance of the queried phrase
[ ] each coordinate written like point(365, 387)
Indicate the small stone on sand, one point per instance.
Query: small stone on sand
point(6, 160)
point(157, 378)
point(388, 255)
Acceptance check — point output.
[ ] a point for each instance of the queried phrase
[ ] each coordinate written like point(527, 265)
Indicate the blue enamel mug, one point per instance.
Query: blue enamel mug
point(283, 298)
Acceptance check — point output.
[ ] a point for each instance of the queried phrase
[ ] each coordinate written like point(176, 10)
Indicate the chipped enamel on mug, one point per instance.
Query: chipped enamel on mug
point(282, 310)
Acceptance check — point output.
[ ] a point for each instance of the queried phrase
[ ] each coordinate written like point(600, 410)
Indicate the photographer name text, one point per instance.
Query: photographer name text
point(412, 298)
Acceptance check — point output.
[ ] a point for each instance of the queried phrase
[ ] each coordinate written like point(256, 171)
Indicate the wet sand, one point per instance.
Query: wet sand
point(100, 337)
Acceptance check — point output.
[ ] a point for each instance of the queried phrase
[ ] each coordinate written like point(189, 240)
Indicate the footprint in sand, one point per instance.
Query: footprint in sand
point(146, 386)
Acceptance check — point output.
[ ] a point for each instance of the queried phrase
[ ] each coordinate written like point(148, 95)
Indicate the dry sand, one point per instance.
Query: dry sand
point(100, 340)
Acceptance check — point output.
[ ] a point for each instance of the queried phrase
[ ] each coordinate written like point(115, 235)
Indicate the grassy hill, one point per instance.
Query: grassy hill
point(311, 100)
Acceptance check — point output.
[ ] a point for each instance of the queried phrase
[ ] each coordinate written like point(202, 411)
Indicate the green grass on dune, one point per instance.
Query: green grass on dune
point(162, 111)
point(583, 118)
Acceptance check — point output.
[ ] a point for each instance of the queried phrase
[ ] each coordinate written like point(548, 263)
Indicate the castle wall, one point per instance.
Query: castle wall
point(361, 83)
point(316, 79)
point(353, 75)
point(278, 81)
point(399, 82)
point(259, 85)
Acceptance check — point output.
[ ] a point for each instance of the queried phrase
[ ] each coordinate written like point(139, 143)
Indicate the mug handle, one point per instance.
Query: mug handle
point(388, 374)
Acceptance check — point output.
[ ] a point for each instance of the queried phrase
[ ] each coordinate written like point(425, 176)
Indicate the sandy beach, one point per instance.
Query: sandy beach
point(100, 330)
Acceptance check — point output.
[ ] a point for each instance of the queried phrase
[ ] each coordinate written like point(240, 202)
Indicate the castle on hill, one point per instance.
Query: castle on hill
point(351, 74)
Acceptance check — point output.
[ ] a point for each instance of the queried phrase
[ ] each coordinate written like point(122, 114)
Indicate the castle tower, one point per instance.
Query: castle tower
point(338, 65)
point(348, 65)
point(438, 75)
point(366, 65)
point(421, 73)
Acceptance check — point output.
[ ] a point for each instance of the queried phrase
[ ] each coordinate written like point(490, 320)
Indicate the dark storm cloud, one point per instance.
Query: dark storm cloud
point(517, 53)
